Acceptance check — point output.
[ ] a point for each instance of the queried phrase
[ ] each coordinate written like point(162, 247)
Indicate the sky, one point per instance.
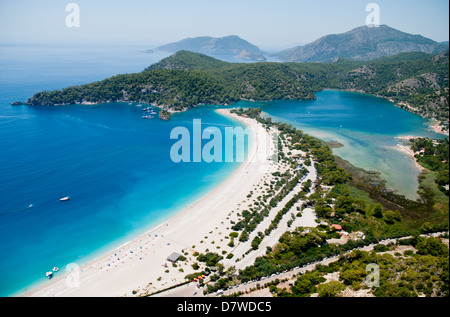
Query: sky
point(269, 24)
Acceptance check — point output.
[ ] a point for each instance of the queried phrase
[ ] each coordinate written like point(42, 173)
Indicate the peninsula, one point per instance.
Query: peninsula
point(415, 82)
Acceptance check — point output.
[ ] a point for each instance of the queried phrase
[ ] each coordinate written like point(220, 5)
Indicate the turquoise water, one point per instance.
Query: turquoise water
point(115, 166)
point(367, 126)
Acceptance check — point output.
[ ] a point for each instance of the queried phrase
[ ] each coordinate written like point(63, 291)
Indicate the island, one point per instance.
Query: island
point(230, 48)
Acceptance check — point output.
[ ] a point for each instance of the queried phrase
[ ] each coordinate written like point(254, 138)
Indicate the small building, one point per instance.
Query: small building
point(174, 257)
point(359, 235)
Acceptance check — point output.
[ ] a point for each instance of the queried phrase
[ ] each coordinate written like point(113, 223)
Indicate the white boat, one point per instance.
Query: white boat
point(55, 269)
point(65, 198)
point(49, 275)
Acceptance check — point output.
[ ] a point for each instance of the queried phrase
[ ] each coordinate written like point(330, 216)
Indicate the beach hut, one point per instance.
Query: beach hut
point(174, 257)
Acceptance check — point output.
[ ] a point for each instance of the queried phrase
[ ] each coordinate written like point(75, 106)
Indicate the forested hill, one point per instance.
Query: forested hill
point(186, 60)
point(417, 82)
point(184, 80)
point(188, 79)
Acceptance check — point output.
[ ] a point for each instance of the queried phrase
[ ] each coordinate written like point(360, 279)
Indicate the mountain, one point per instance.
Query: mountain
point(418, 82)
point(185, 60)
point(363, 43)
point(186, 79)
point(228, 48)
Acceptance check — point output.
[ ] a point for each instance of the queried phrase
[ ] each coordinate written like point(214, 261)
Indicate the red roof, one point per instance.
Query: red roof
point(337, 227)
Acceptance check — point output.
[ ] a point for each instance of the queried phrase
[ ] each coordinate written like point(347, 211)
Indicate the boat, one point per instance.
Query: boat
point(49, 275)
point(65, 198)
point(147, 117)
point(55, 269)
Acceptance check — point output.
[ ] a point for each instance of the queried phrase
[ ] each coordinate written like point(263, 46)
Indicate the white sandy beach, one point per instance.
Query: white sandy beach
point(408, 151)
point(142, 263)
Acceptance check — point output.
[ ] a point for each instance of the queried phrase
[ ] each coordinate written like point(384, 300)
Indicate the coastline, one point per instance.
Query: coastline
point(438, 128)
point(408, 151)
point(435, 126)
point(142, 262)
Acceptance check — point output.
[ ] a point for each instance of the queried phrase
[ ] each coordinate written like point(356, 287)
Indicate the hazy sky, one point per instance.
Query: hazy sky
point(270, 24)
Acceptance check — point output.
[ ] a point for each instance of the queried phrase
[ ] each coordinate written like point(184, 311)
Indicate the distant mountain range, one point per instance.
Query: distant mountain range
point(363, 43)
point(226, 48)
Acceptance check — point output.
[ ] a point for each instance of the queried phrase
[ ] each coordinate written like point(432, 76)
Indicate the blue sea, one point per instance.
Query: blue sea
point(116, 167)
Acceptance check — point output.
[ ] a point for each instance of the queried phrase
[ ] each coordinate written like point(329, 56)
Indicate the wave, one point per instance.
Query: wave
point(17, 211)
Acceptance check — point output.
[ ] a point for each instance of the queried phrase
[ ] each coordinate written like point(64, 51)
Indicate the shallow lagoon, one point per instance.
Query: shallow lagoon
point(367, 126)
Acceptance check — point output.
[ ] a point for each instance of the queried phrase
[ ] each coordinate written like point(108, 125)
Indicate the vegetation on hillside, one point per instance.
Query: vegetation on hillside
point(433, 155)
point(423, 272)
point(418, 82)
